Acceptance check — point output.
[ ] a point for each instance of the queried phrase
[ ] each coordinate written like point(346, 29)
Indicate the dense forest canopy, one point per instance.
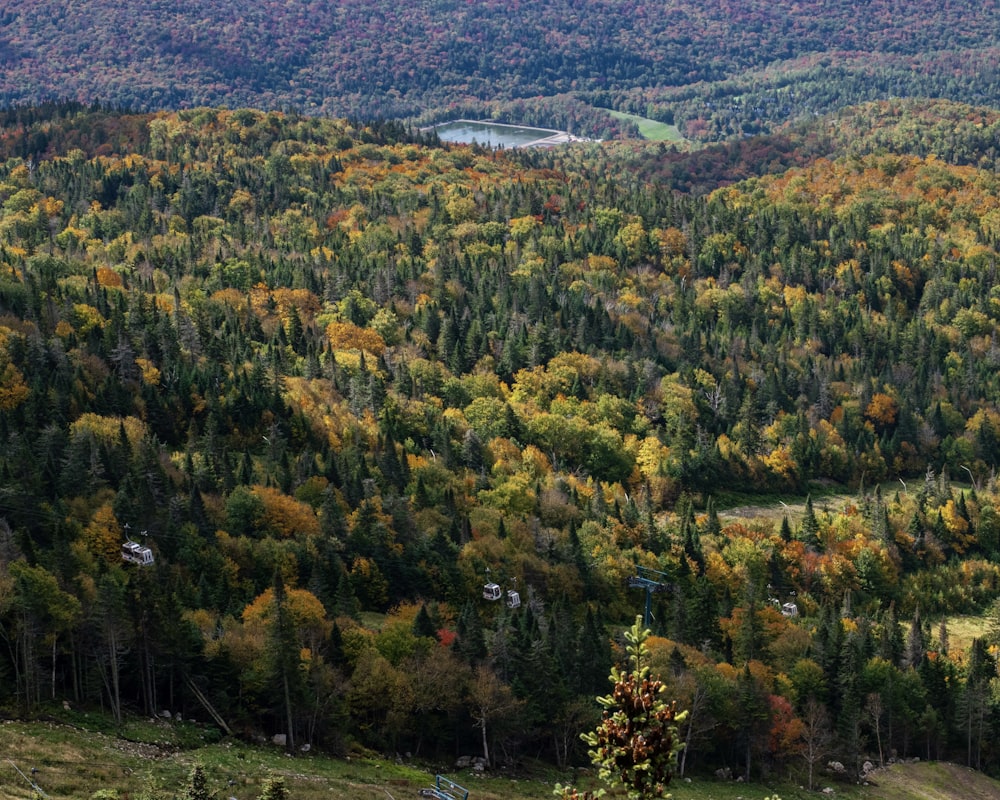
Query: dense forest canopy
point(327, 371)
point(718, 69)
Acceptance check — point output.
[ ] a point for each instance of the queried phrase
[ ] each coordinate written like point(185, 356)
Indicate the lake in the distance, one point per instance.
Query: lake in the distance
point(496, 134)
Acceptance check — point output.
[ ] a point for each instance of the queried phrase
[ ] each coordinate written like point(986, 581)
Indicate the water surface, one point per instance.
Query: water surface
point(491, 134)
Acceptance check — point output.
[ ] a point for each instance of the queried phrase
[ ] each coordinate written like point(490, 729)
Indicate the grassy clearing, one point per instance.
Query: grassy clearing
point(650, 128)
point(733, 507)
point(962, 629)
point(73, 762)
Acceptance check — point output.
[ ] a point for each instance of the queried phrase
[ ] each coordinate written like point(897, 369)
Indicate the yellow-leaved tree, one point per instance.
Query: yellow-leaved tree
point(280, 648)
point(13, 390)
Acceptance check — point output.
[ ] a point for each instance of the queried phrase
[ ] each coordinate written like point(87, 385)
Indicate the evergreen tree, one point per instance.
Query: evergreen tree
point(274, 789)
point(916, 646)
point(423, 625)
point(809, 529)
point(284, 656)
point(470, 642)
point(197, 788)
point(753, 717)
point(635, 746)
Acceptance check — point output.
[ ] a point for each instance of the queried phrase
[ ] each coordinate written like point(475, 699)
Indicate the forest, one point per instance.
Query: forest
point(341, 380)
point(718, 69)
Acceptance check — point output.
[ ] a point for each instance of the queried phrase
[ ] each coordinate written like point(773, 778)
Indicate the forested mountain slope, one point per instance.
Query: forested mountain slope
point(326, 372)
point(718, 68)
point(958, 133)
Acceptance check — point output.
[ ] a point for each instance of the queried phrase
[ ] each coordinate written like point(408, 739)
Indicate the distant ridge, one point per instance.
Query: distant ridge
point(717, 69)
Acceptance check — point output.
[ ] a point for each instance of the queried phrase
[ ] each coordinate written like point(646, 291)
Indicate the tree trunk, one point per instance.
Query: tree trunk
point(687, 744)
point(54, 640)
point(109, 674)
point(486, 745)
point(31, 690)
point(288, 712)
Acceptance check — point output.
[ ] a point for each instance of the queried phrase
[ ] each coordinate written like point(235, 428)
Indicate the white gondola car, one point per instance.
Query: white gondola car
point(135, 553)
point(789, 610)
point(491, 591)
point(513, 599)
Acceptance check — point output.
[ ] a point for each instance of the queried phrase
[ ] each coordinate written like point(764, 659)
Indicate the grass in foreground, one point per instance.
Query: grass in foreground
point(75, 758)
point(931, 781)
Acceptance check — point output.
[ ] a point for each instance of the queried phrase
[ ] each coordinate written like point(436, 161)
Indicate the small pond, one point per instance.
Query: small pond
point(496, 134)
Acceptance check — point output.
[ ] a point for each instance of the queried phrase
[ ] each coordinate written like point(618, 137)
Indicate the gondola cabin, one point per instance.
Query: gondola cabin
point(492, 591)
point(135, 553)
point(513, 599)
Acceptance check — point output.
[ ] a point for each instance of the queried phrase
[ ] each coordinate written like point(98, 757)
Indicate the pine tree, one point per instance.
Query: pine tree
point(197, 785)
point(470, 642)
point(284, 654)
point(274, 789)
point(753, 716)
point(635, 746)
point(916, 645)
point(713, 527)
point(423, 625)
point(809, 530)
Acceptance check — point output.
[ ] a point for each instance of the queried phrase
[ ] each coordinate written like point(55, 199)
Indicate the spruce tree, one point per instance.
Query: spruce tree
point(809, 530)
point(635, 746)
point(274, 789)
point(197, 788)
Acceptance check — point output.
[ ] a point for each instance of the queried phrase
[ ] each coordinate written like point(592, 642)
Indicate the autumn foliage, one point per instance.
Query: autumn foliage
point(337, 373)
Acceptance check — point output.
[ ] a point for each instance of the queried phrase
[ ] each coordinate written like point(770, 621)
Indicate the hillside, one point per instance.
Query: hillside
point(958, 133)
point(718, 69)
point(71, 762)
point(348, 386)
